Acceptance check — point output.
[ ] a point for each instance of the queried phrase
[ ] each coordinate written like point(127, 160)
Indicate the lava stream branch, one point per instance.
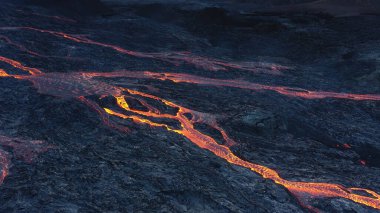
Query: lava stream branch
point(196, 117)
point(288, 91)
point(299, 189)
point(103, 114)
point(76, 85)
point(18, 65)
point(193, 79)
point(175, 58)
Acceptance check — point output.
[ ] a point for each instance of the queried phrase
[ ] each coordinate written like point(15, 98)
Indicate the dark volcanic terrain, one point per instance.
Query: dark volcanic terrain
point(189, 106)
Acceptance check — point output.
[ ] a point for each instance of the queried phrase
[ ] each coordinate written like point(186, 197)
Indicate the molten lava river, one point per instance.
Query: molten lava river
point(85, 85)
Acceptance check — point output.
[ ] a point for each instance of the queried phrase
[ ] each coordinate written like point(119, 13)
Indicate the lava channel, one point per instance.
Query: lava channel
point(193, 79)
point(80, 84)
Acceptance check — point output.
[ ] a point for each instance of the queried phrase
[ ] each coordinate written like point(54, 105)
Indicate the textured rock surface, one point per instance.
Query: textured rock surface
point(96, 168)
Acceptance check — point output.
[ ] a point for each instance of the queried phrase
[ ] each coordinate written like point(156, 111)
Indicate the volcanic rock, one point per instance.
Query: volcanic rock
point(189, 105)
point(261, 121)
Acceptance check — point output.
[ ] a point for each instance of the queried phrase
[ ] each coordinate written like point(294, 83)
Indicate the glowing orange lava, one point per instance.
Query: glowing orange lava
point(193, 79)
point(204, 141)
point(18, 65)
point(288, 91)
point(3, 73)
point(80, 84)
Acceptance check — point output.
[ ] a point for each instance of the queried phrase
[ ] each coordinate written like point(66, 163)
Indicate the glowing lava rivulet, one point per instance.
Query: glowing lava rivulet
point(192, 79)
point(82, 84)
point(175, 58)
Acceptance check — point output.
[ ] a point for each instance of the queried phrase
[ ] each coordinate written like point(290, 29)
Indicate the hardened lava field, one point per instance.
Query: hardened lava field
point(172, 106)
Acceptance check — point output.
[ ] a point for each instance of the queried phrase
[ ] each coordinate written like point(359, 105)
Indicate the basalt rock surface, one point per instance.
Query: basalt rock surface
point(158, 107)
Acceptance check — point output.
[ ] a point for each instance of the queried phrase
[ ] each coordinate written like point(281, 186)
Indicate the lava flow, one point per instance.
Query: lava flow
point(18, 65)
point(299, 189)
point(78, 85)
point(172, 57)
point(193, 79)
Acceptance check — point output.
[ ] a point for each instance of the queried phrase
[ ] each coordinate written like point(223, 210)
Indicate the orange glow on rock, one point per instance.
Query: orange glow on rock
point(193, 79)
point(18, 65)
point(79, 85)
point(175, 58)
point(288, 91)
point(3, 73)
point(299, 189)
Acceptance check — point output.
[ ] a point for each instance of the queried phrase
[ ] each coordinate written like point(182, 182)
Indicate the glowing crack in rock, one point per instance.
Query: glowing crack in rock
point(78, 85)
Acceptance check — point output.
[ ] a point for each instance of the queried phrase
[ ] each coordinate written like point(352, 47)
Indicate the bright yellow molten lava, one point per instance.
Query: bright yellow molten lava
point(223, 151)
point(3, 73)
